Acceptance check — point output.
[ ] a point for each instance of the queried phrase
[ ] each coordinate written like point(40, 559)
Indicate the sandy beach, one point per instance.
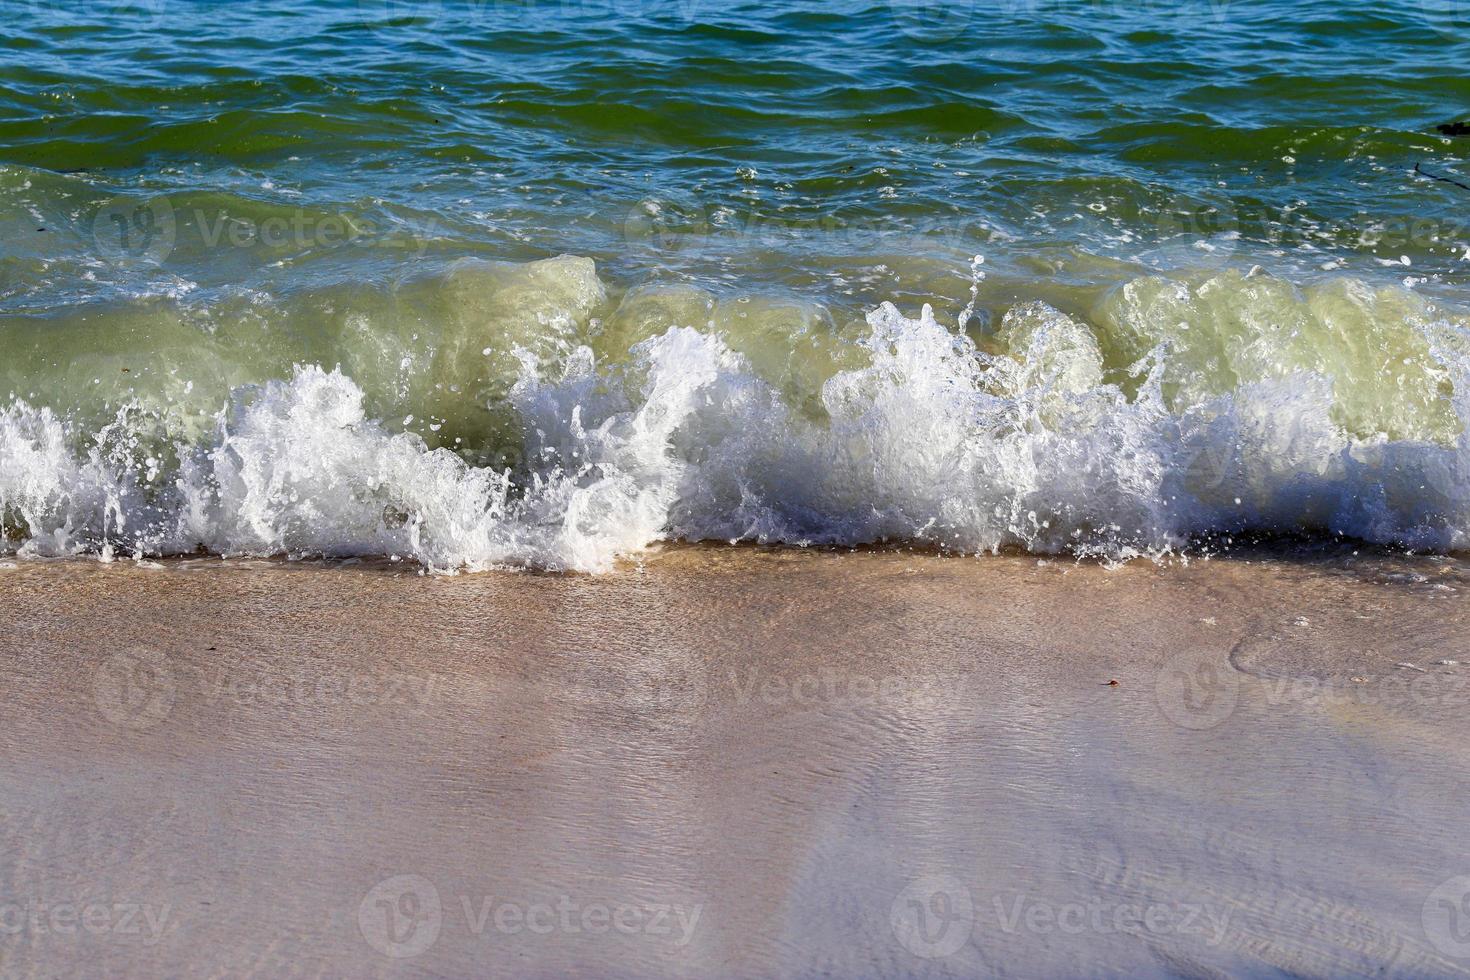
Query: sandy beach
point(737, 762)
point(850, 489)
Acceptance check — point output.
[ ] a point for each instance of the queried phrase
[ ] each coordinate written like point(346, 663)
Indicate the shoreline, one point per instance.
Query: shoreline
point(737, 761)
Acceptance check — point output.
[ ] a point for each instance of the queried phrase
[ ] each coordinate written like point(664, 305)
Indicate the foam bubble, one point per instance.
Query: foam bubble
point(1041, 441)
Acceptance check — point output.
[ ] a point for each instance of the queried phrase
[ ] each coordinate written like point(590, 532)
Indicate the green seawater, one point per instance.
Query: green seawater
point(1211, 258)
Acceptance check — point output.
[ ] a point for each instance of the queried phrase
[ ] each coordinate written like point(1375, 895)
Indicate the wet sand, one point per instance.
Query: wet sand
point(734, 763)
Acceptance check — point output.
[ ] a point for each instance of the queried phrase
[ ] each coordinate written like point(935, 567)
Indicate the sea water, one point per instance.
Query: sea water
point(480, 283)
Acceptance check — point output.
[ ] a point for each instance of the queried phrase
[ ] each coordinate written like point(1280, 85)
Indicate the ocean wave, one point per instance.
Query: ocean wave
point(1173, 410)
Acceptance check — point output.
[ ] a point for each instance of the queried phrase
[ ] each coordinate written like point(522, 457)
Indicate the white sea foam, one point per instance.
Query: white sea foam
point(930, 441)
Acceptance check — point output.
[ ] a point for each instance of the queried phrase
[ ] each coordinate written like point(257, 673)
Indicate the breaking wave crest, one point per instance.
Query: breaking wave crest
point(1032, 437)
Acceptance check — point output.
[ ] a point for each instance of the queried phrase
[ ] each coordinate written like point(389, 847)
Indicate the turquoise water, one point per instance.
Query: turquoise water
point(1190, 268)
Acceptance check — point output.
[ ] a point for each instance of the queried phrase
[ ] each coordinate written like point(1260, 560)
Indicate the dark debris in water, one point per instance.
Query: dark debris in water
point(1419, 169)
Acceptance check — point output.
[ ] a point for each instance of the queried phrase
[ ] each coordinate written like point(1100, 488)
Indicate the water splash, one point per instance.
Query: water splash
point(1183, 410)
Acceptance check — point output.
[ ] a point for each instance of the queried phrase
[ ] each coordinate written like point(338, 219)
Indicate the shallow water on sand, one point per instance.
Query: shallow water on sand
point(761, 763)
